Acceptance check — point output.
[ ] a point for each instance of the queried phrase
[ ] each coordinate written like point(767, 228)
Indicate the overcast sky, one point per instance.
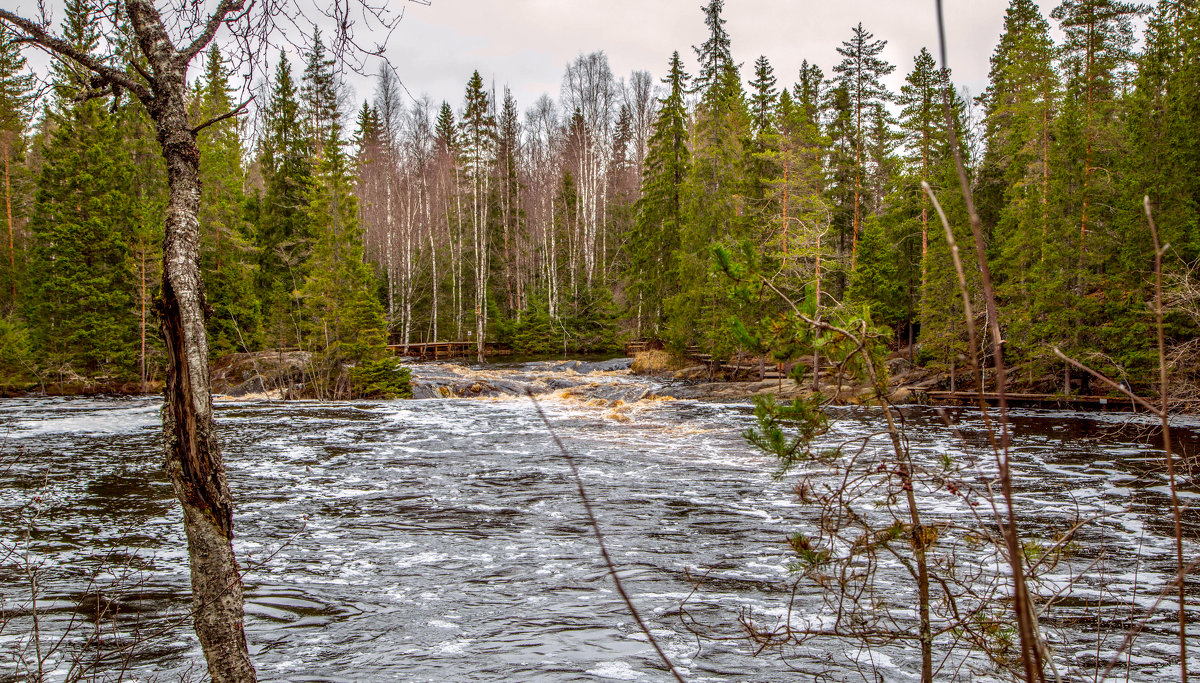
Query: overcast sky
point(526, 44)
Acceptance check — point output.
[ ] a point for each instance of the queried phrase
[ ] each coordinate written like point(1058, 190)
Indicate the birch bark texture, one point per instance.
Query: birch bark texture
point(193, 456)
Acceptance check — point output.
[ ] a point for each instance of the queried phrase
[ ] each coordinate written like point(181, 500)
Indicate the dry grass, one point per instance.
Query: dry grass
point(650, 362)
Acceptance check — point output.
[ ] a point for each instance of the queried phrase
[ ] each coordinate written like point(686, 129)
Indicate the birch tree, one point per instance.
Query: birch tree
point(479, 141)
point(168, 37)
point(589, 90)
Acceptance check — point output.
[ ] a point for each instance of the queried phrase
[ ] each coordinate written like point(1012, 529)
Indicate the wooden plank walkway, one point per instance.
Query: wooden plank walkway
point(969, 398)
point(445, 350)
point(637, 346)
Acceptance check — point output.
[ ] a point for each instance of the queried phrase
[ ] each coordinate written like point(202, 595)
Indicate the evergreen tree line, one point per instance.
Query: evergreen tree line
point(281, 236)
point(821, 185)
point(595, 216)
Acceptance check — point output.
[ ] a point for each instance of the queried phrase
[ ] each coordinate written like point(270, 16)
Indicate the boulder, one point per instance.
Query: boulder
point(239, 374)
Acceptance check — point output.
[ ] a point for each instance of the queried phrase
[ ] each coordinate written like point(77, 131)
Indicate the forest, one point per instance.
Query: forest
point(617, 211)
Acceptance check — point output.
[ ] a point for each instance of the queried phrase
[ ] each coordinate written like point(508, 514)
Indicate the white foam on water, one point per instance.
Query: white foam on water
point(100, 421)
point(616, 671)
point(426, 558)
point(454, 647)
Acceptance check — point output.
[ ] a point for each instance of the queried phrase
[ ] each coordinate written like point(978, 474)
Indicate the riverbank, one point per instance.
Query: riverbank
point(283, 375)
point(906, 384)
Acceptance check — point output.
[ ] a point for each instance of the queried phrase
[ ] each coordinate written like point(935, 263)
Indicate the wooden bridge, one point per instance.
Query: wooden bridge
point(971, 398)
point(446, 349)
point(642, 345)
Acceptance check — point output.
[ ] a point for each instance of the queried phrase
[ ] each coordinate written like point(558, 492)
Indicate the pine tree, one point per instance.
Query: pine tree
point(860, 73)
point(794, 148)
point(16, 99)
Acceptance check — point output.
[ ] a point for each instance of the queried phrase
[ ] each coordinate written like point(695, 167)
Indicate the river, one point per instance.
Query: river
point(441, 539)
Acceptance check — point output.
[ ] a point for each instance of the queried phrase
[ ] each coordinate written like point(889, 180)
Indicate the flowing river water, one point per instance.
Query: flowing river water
point(442, 539)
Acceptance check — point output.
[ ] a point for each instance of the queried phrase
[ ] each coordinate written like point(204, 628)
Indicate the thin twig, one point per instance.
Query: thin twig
point(1031, 657)
point(1108, 380)
point(238, 110)
point(612, 567)
point(1166, 436)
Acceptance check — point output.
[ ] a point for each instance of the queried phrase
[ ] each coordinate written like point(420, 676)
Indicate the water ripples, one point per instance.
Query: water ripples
point(441, 539)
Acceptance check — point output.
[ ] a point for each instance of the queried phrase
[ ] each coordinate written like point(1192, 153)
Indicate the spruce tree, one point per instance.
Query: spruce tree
point(341, 317)
point(715, 57)
point(478, 130)
point(1097, 55)
point(923, 131)
point(1164, 162)
point(942, 321)
point(842, 183)
point(78, 290)
point(716, 211)
point(508, 213)
point(654, 243)
point(800, 219)
point(1015, 176)
point(227, 256)
point(763, 96)
point(283, 235)
point(149, 199)
point(875, 283)
point(319, 95)
point(763, 101)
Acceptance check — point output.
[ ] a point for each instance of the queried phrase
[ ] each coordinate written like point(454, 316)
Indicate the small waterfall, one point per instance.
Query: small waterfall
point(609, 380)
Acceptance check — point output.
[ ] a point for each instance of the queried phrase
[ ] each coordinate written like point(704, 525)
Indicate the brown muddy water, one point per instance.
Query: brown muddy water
point(441, 539)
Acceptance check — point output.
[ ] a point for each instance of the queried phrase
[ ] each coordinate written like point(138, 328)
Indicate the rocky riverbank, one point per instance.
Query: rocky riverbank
point(262, 375)
point(906, 384)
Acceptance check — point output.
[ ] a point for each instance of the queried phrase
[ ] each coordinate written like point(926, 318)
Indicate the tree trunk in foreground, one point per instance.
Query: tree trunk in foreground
point(193, 456)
